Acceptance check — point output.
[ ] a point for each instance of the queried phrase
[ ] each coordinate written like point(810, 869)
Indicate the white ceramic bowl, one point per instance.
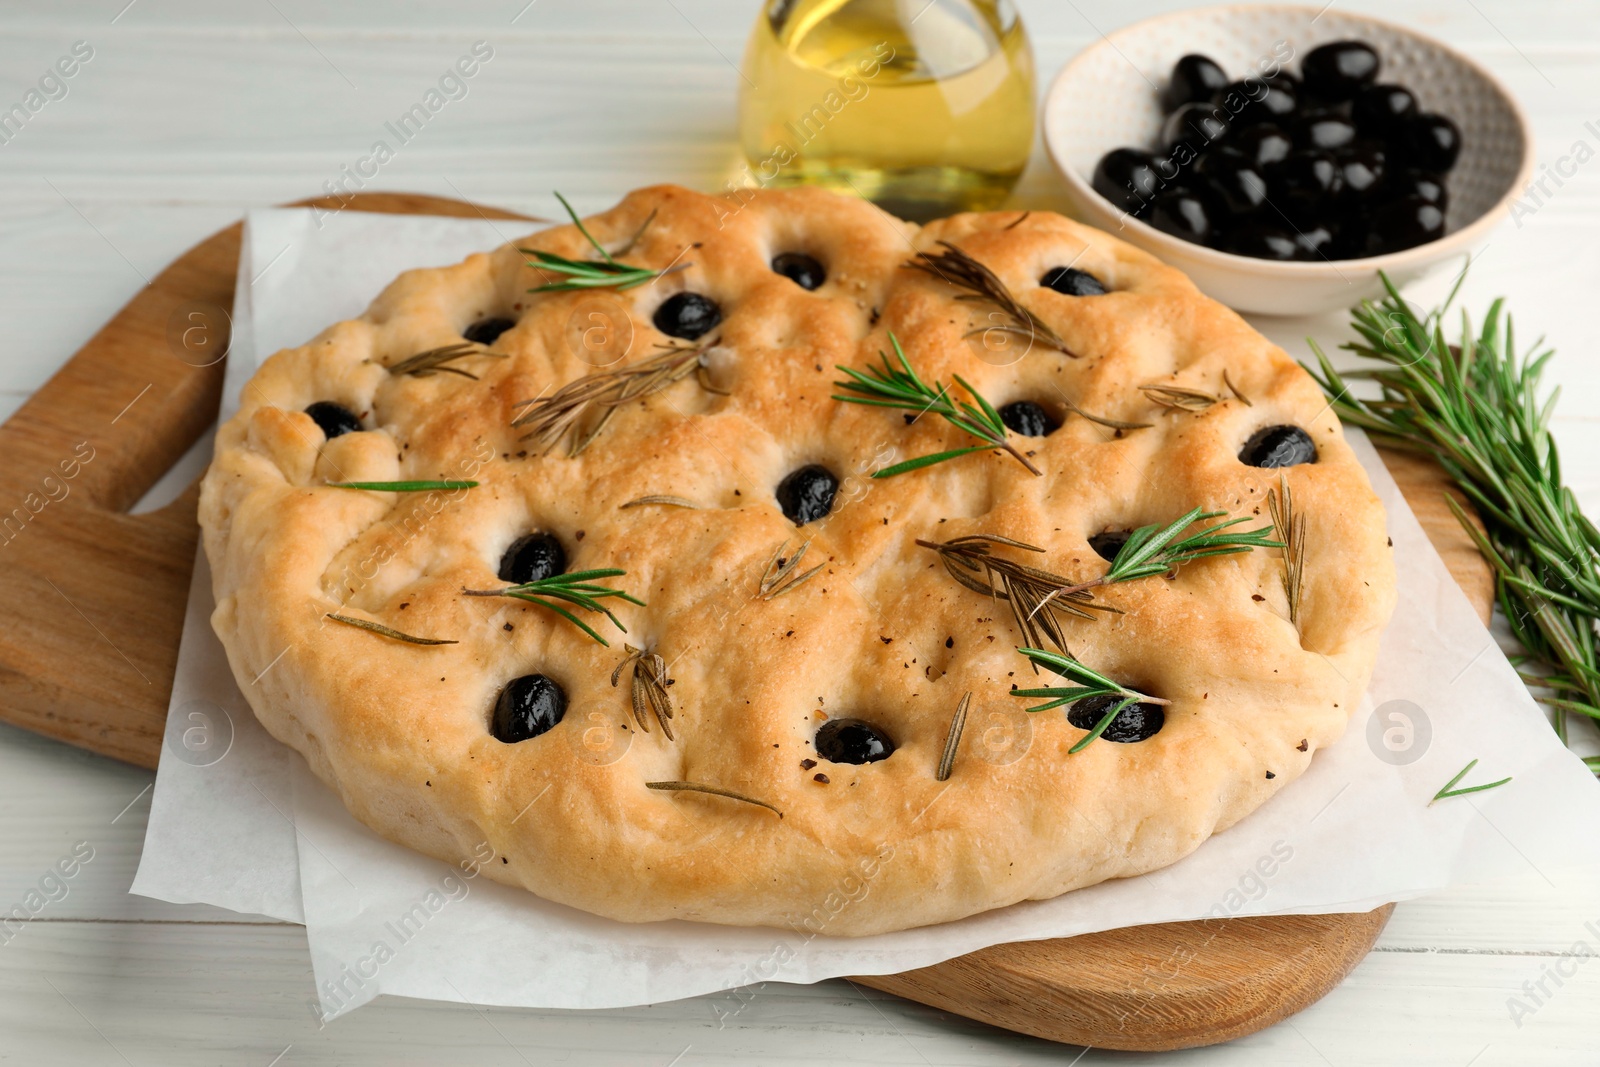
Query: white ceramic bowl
point(1107, 98)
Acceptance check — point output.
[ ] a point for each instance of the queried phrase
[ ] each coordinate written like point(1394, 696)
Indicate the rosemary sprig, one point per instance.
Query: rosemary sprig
point(1028, 590)
point(779, 577)
point(1090, 683)
point(982, 285)
point(1480, 411)
point(1149, 550)
point(425, 364)
point(903, 388)
point(1450, 790)
point(1157, 549)
point(1177, 397)
point(404, 487)
point(1280, 505)
point(603, 273)
point(548, 419)
point(1182, 398)
point(952, 740)
point(385, 631)
point(668, 501)
point(576, 588)
point(649, 691)
point(693, 787)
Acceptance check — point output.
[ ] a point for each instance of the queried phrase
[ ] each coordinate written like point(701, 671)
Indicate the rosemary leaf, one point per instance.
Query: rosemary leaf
point(779, 577)
point(1034, 595)
point(1177, 397)
point(1234, 389)
point(1115, 424)
point(549, 419)
point(590, 274)
point(1449, 789)
point(902, 387)
point(1480, 410)
point(649, 688)
point(385, 631)
point(960, 270)
point(1280, 505)
point(928, 461)
point(952, 740)
point(1100, 727)
point(670, 501)
point(1158, 549)
point(1090, 683)
point(404, 487)
point(424, 364)
point(692, 787)
point(576, 588)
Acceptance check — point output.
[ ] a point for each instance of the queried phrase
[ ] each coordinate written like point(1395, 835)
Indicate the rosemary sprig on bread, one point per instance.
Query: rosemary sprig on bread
point(604, 273)
point(902, 387)
point(576, 588)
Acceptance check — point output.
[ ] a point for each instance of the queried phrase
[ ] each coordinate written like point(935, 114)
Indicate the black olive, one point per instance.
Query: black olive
point(1317, 242)
point(1404, 223)
point(1127, 177)
point(334, 419)
point(807, 494)
point(1315, 174)
point(1340, 70)
point(1196, 125)
point(1323, 130)
point(687, 315)
point(1381, 109)
point(1432, 142)
point(1194, 78)
point(1182, 213)
point(799, 268)
point(1286, 78)
point(1106, 545)
point(852, 741)
point(528, 706)
point(533, 558)
point(1420, 184)
point(486, 331)
point(1265, 145)
point(1136, 722)
point(1254, 101)
point(1231, 176)
point(1350, 226)
point(1028, 419)
point(1361, 170)
point(1071, 281)
point(1278, 446)
point(1262, 240)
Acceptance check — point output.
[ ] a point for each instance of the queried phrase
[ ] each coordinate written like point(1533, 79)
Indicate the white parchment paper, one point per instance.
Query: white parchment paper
point(238, 821)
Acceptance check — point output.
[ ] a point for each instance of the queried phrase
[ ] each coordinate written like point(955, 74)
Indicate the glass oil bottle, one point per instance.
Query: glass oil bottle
point(925, 107)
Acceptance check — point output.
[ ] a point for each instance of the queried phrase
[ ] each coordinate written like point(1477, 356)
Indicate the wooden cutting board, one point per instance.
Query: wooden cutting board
point(94, 605)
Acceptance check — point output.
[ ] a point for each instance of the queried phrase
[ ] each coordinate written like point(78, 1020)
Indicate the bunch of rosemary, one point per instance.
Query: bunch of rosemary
point(1479, 410)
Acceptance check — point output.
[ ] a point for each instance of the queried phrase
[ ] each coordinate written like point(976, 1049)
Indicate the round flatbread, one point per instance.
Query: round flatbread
point(530, 741)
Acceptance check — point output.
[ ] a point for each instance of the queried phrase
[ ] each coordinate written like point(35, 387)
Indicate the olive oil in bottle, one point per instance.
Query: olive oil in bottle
point(925, 107)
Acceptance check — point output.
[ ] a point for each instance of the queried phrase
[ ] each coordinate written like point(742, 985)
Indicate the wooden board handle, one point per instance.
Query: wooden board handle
point(95, 597)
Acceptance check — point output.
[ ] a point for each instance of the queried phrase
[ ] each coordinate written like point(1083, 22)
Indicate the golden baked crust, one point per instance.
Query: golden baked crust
point(883, 633)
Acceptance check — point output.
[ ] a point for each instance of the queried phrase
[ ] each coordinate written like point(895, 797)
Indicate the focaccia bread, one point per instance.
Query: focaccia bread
point(826, 695)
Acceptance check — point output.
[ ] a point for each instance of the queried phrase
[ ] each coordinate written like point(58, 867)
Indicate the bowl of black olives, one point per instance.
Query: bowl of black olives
point(1283, 162)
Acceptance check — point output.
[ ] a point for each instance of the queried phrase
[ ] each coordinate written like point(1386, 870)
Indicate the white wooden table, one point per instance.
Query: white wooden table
point(190, 112)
